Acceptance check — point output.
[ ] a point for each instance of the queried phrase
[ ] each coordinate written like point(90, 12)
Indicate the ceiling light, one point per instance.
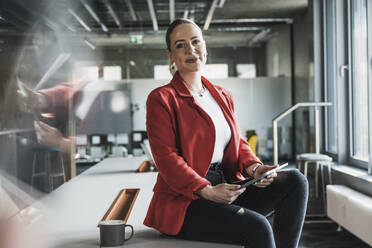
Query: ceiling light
point(171, 10)
point(186, 14)
point(131, 9)
point(90, 44)
point(259, 37)
point(94, 15)
point(150, 5)
point(210, 15)
point(112, 12)
point(82, 23)
point(221, 3)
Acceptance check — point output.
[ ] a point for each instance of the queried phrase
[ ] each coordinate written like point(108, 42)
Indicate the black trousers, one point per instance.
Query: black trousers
point(244, 221)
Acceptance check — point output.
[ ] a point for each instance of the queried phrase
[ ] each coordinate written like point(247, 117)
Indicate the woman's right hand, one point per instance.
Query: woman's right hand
point(49, 136)
point(221, 193)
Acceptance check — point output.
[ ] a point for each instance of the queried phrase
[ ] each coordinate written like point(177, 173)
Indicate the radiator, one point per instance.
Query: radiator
point(351, 210)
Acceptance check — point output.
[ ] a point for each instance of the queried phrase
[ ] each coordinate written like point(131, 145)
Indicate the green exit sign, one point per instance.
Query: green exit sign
point(135, 38)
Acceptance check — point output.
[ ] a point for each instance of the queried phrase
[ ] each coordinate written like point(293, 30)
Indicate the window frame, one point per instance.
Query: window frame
point(353, 160)
point(343, 63)
point(326, 74)
point(369, 71)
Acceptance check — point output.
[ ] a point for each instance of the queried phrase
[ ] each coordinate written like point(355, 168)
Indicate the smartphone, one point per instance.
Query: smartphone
point(248, 182)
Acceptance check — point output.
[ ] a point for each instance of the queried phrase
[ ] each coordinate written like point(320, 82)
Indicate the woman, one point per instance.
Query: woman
point(199, 151)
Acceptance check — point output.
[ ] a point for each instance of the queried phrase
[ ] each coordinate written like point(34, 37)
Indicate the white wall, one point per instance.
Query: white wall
point(278, 54)
point(140, 89)
point(257, 102)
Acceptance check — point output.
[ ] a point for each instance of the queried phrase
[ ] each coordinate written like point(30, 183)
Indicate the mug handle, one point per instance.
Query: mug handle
point(131, 235)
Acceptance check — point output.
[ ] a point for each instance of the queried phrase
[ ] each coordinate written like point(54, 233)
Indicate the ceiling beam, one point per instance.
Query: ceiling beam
point(94, 15)
point(131, 9)
point(16, 21)
point(153, 15)
point(235, 29)
point(12, 14)
point(171, 10)
point(253, 20)
point(112, 13)
point(210, 15)
point(26, 11)
point(161, 33)
point(82, 23)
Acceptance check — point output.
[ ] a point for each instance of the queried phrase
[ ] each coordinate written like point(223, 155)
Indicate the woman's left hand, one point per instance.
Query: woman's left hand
point(266, 181)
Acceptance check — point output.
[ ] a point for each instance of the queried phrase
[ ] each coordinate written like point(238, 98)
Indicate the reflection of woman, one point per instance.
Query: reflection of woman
point(198, 149)
point(54, 104)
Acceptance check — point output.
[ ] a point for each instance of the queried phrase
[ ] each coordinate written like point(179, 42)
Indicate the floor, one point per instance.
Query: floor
point(325, 235)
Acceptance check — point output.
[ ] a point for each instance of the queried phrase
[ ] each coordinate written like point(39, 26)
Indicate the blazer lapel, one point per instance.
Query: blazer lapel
point(179, 85)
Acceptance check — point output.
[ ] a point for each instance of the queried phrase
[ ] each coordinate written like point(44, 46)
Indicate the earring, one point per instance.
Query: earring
point(172, 68)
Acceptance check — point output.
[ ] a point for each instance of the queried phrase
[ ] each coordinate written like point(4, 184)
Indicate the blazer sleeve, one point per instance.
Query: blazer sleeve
point(161, 129)
point(246, 155)
point(60, 95)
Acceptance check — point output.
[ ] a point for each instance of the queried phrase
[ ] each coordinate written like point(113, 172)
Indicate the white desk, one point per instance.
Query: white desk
point(75, 208)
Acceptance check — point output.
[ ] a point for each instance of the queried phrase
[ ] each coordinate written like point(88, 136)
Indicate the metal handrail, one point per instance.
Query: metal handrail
point(290, 110)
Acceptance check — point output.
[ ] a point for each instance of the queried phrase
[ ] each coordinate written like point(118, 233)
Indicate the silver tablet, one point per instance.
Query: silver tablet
point(246, 183)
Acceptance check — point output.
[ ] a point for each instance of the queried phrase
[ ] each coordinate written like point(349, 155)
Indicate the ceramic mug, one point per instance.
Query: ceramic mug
point(112, 232)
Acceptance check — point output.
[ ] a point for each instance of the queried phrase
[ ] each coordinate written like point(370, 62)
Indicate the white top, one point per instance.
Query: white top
point(223, 131)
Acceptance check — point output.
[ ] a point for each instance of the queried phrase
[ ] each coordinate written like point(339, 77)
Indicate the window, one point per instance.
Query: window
point(358, 81)
point(210, 71)
point(112, 73)
point(348, 80)
point(216, 71)
point(162, 72)
point(86, 72)
point(246, 70)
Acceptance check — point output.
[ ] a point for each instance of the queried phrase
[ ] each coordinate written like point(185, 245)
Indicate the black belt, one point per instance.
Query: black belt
point(215, 166)
point(215, 174)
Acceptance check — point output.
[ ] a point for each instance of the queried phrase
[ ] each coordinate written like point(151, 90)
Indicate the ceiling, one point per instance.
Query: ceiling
point(112, 22)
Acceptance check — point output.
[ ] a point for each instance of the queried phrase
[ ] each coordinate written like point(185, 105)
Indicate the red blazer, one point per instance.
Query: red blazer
point(59, 96)
point(182, 138)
